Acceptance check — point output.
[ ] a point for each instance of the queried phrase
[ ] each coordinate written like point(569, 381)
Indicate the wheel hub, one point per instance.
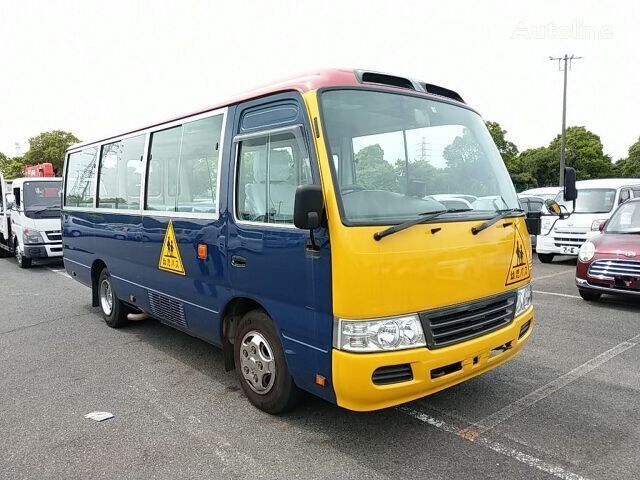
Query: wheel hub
point(106, 297)
point(257, 362)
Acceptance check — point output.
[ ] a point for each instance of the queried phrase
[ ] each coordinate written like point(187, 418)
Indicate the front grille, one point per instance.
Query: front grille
point(392, 374)
point(614, 268)
point(167, 309)
point(449, 325)
point(54, 236)
point(569, 238)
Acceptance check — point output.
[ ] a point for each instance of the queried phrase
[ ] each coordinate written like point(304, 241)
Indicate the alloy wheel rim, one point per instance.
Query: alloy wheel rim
point(106, 297)
point(257, 362)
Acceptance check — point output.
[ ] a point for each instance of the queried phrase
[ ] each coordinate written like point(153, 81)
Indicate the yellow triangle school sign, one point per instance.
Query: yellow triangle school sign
point(519, 268)
point(170, 260)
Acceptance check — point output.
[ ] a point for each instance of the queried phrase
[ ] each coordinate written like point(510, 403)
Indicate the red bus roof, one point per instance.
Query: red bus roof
point(307, 82)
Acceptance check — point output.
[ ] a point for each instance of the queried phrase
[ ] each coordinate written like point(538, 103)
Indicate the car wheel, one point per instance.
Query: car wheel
point(23, 262)
point(113, 310)
point(545, 257)
point(590, 296)
point(261, 365)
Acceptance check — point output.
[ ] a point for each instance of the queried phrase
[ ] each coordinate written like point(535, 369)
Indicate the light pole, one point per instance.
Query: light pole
point(564, 68)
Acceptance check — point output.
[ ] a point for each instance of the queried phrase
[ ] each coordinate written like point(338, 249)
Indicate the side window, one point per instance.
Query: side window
point(163, 171)
point(183, 167)
point(270, 169)
point(625, 194)
point(80, 173)
point(121, 174)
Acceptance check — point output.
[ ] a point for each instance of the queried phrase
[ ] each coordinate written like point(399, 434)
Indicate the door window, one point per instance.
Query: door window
point(270, 169)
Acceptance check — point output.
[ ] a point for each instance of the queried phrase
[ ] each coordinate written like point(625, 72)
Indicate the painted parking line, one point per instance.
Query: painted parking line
point(564, 272)
point(557, 294)
point(473, 436)
point(544, 391)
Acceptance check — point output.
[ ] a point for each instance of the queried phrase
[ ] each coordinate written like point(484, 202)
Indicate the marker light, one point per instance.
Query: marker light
point(378, 334)
point(587, 251)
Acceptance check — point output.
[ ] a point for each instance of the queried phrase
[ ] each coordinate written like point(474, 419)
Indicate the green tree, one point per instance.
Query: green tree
point(49, 147)
point(630, 166)
point(11, 167)
point(540, 164)
point(374, 172)
point(584, 153)
point(508, 150)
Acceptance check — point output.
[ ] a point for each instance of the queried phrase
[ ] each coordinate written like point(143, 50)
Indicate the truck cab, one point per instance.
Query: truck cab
point(30, 219)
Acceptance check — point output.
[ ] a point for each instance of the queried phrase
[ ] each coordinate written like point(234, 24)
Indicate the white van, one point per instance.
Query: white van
point(30, 218)
point(597, 199)
point(542, 192)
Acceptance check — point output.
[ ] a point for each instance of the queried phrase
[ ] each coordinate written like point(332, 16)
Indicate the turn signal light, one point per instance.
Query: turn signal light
point(202, 251)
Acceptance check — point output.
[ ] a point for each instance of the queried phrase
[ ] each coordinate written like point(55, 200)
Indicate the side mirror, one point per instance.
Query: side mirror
point(308, 207)
point(553, 207)
point(570, 191)
point(11, 200)
point(602, 225)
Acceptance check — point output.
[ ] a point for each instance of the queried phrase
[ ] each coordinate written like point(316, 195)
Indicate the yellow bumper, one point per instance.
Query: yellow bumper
point(352, 372)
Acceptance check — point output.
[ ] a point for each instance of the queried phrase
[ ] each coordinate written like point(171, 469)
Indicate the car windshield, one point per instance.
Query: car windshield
point(42, 199)
point(626, 219)
point(398, 156)
point(591, 200)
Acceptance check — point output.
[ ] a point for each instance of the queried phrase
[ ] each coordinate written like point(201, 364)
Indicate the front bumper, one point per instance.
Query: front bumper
point(352, 372)
point(43, 250)
point(558, 244)
point(583, 284)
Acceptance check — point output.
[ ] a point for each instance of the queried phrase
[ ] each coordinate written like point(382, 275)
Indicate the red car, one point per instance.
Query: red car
point(610, 262)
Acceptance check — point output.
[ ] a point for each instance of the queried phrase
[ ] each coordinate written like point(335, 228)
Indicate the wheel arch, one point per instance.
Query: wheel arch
point(230, 316)
point(96, 267)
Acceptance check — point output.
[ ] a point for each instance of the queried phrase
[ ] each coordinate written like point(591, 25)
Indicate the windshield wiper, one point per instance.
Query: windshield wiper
point(500, 215)
point(423, 218)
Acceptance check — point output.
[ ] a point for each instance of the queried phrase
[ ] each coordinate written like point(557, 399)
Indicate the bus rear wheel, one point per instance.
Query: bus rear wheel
point(261, 366)
point(545, 257)
point(113, 310)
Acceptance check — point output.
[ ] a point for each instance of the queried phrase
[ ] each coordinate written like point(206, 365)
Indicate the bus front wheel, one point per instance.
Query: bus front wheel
point(261, 366)
point(113, 310)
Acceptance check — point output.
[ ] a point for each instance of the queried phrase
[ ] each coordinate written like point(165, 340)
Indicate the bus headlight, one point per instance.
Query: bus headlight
point(379, 334)
point(587, 251)
point(30, 236)
point(524, 300)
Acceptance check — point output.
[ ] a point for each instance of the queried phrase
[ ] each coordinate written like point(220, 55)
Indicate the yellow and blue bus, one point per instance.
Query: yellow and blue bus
point(351, 234)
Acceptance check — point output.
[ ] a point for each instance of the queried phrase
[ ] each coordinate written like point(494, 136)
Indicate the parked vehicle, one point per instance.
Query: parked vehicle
point(610, 263)
point(256, 225)
point(30, 219)
point(596, 201)
point(530, 203)
point(546, 193)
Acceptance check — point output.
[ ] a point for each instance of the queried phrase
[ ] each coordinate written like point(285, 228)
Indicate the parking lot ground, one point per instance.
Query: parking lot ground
point(567, 407)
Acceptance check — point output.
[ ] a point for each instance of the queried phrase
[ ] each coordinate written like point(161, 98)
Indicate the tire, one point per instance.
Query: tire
point(545, 257)
point(23, 262)
point(589, 296)
point(113, 310)
point(257, 350)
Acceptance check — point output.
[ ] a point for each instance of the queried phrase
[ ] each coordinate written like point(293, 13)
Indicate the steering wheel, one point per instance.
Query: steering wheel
point(345, 189)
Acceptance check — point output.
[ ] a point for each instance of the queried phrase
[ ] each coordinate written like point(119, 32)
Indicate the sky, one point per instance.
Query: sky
point(97, 68)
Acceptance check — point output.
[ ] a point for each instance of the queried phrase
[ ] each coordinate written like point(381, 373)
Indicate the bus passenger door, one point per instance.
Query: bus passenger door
point(268, 256)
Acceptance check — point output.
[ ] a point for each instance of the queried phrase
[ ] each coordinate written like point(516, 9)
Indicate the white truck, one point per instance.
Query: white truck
point(30, 218)
point(597, 199)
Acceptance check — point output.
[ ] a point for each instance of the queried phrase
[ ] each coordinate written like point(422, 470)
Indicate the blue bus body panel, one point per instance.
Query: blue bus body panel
point(293, 287)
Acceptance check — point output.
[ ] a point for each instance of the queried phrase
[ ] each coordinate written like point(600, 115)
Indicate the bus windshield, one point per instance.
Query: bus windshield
point(42, 199)
point(591, 200)
point(398, 156)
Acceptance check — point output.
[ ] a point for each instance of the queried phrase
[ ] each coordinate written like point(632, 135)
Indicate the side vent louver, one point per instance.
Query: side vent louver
point(167, 309)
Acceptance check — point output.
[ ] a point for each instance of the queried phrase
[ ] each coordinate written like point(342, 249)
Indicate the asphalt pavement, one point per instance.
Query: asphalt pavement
point(567, 407)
